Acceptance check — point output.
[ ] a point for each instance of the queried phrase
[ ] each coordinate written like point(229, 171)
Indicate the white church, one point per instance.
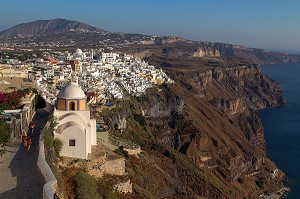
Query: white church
point(75, 128)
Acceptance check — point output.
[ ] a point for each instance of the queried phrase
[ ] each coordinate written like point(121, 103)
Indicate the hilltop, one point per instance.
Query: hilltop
point(46, 27)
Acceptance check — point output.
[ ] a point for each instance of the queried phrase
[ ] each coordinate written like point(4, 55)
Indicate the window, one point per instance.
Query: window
point(71, 142)
point(72, 106)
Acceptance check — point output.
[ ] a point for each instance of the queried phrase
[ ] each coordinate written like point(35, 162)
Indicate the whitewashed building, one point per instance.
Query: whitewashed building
point(75, 128)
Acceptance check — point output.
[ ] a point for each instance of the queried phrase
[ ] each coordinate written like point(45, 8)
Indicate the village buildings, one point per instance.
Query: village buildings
point(110, 75)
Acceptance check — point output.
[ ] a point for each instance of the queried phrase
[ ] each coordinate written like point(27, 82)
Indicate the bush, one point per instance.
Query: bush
point(57, 145)
point(140, 119)
point(260, 183)
point(9, 100)
point(39, 100)
point(47, 132)
point(5, 131)
point(121, 151)
point(86, 187)
point(241, 180)
point(47, 137)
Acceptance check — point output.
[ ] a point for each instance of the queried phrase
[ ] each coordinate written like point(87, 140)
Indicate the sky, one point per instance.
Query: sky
point(267, 24)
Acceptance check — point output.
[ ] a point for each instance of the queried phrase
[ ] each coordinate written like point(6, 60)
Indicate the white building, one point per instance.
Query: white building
point(75, 128)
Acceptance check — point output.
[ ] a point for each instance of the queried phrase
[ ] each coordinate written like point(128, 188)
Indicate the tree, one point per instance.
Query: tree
point(5, 131)
point(10, 100)
point(40, 101)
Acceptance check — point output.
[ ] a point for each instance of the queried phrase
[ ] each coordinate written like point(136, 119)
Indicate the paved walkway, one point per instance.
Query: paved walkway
point(20, 178)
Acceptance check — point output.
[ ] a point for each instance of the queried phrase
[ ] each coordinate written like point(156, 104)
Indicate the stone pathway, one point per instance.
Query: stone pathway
point(20, 178)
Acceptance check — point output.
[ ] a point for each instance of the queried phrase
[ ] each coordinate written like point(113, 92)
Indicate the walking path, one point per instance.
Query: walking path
point(20, 177)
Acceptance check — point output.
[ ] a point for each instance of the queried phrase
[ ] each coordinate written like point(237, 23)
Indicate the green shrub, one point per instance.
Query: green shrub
point(113, 194)
point(47, 137)
point(39, 100)
point(47, 132)
point(140, 119)
point(86, 187)
point(121, 151)
point(260, 183)
point(5, 131)
point(57, 145)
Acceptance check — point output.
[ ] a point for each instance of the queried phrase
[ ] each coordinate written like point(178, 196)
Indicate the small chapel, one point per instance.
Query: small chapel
point(75, 127)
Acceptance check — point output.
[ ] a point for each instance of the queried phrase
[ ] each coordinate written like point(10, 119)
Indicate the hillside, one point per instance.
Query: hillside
point(46, 27)
point(200, 136)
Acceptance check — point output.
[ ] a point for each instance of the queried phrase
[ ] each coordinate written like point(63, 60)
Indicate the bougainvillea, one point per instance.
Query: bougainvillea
point(9, 100)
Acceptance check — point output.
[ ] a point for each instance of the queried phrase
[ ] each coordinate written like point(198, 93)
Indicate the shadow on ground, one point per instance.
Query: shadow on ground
point(23, 166)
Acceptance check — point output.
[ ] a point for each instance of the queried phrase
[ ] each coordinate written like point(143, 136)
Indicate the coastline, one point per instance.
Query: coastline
point(284, 191)
point(280, 194)
point(281, 126)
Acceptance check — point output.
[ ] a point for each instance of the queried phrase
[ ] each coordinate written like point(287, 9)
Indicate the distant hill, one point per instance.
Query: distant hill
point(71, 34)
point(46, 27)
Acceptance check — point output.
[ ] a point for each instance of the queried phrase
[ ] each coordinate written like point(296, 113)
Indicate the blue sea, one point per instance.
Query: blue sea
point(282, 125)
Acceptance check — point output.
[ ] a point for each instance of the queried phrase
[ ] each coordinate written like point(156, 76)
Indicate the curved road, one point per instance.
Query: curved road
point(20, 177)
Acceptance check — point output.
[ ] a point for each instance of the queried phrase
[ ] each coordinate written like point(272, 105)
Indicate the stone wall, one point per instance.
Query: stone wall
point(124, 187)
point(49, 188)
point(115, 167)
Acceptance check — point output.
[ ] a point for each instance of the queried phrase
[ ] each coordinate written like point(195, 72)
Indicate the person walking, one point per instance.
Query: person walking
point(28, 143)
point(23, 138)
point(31, 126)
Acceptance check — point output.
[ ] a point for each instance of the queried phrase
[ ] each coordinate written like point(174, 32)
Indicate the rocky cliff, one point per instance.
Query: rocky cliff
point(206, 52)
point(201, 136)
point(186, 49)
point(254, 54)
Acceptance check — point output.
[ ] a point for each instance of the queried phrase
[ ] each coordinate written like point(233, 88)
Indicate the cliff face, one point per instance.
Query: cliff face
point(234, 88)
point(212, 50)
point(207, 52)
point(206, 129)
point(254, 54)
point(236, 92)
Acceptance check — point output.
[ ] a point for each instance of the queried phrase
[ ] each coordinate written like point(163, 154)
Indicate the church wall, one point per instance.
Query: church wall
point(93, 132)
point(82, 104)
point(61, 103)
point(85, 115)
point(74, 118)
point(88, 140)
point(77, 151)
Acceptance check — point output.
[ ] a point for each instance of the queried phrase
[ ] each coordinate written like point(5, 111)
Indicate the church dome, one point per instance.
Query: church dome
point(72, 91)
point(78, 52)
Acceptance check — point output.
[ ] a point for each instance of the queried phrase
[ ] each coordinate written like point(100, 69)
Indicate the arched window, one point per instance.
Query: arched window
point(72, 106)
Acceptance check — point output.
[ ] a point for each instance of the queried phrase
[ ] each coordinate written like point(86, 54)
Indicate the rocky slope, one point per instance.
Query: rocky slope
point(201, 136)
